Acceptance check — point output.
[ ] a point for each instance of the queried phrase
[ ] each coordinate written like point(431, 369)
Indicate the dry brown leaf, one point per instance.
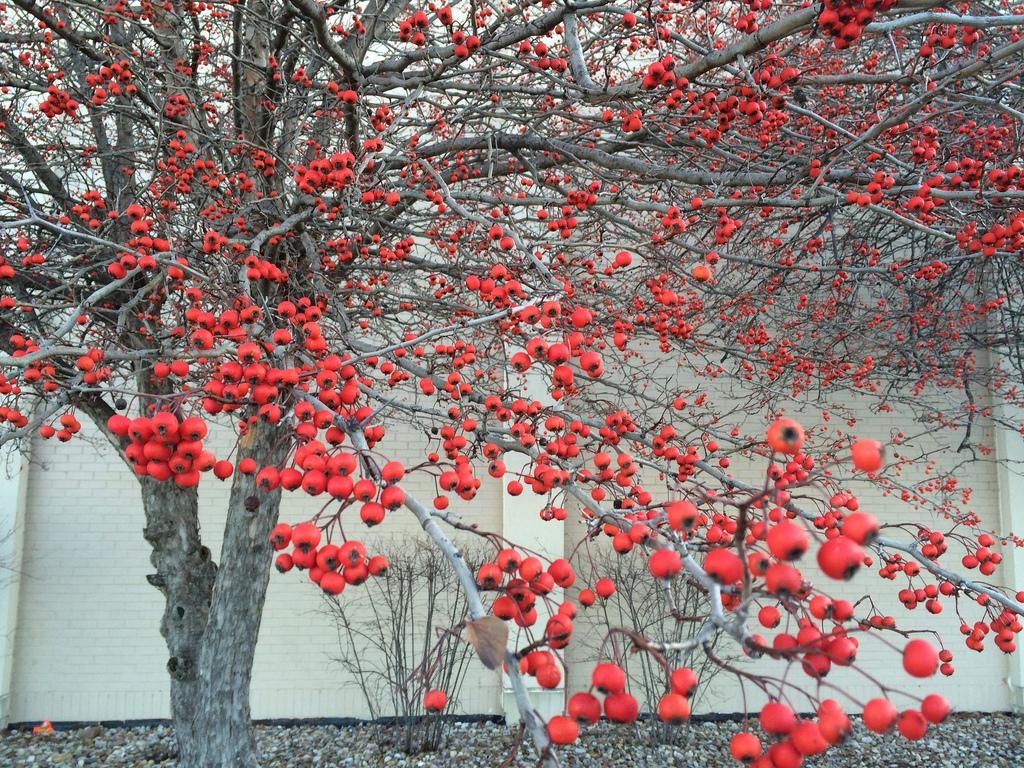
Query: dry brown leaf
point(489, 636)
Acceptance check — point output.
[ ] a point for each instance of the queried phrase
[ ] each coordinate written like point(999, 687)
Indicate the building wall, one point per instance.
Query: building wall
point(87, 645)
point(982, 681)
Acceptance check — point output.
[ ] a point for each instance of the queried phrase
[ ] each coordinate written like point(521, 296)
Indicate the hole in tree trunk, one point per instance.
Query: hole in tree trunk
point(180, 668)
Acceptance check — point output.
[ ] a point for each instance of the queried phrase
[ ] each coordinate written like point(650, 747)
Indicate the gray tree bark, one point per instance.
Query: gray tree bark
point(221, 730)
point(185, 575)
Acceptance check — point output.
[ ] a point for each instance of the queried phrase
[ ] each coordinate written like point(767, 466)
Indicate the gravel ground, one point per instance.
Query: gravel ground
point(965, 741)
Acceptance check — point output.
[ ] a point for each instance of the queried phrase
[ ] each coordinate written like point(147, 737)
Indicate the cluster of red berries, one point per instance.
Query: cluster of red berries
point(164, 448)
point(1008, 236)
point(660, 74)
point(1006, 626)
point(872, 194)
point(69, 426)
point(114, 79)
point(632, 121)
point(498, 287)
point(334, 172)
point(944, 36)
point(330, 566)
point(795, 738)
point(58, 102)
point(316, 470)
point(542, 665)
point(411, 29)
point(619, 706)
point(686, 458)
point(844, 20)
point(42, 373)
point(465, 45)
point(347, 95)
point(924, 145)
point(12, 416)
point(776, 74)
point(558, 355)
point(522, 580)
point(543, 53)
point(983, 558)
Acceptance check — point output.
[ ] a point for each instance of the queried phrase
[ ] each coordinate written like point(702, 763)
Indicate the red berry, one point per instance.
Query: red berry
point(833, 722)
point(682, 515)
point(723, 565)
point(784, 755)
point(378, 565)
point(608, 677)
point(920, 658)
point(489, 576)
point(332, 582)
point(912, 725)
point(508, 560)
point(683, 681)
point(879, 715)
point(549, 676)
point(935, 708)
point(664, 563)
point(745, 747)
point(769, 617)
point(862, 527)
point(867, 455)
point(305, 537)
point(281, 535)
point(563, 730)
point(621, 707)
point(807, 738)
point(435, 700)
point(605, 587)
point(119, 424)
point(785, 436)
point(585, 707)
point(840, 557)
point(562, 572)
point(787, 540)
point(777, 718)
point(673, 708)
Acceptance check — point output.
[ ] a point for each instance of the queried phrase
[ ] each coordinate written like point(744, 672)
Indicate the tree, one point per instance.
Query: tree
point(311, 221)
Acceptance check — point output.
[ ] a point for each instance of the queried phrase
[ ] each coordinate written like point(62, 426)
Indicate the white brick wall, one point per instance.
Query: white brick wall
point(980, 682)
point(88, 642)
point(88, 646)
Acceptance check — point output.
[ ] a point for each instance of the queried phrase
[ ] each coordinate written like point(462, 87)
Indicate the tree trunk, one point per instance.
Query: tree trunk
point(212, 615)
point(221, 730)
point(185, 575)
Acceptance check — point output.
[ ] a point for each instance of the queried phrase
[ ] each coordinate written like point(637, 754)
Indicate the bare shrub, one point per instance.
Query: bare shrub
point(396, 641)
point(647, 607)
